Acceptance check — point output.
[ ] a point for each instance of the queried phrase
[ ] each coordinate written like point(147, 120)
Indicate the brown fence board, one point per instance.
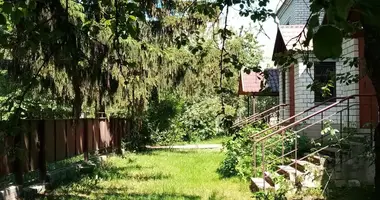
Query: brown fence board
point(33, 145)
point(10, 158)
point(4, 164)
point(70, 130)
point(63, 139)
point(79, 137)
point(103, 143)
point(60, 140)
point(26, 131)
point(115, 133)
point(97, 140)
point(112, 130)
point(90, 134)
point(50, 140)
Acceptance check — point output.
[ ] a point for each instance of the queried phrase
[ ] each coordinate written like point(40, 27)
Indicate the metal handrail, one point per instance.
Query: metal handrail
point(294, 116)
point(282, 131)
point(310, 116)
point(266, 112)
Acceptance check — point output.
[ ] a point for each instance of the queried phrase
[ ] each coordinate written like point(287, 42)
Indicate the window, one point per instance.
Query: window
point(323, 73)
point(283, 87)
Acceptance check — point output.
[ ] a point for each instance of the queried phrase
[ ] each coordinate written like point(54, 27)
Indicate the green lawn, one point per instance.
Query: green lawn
point(157, 175)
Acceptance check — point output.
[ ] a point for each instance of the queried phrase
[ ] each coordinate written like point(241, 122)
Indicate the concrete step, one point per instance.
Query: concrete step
point(303, 165)
point(320, 160)
point(334, 152)
point(289, 172)
point(258, 184)
point(268, 178)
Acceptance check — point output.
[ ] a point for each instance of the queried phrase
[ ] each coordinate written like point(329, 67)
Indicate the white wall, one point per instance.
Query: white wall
point(296, 12)
point(304, 98)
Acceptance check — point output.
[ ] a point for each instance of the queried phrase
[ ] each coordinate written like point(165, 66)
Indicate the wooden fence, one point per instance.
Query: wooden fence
point(47, 141)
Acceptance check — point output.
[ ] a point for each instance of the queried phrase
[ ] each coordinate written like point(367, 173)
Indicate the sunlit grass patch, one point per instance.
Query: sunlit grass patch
point(157, 175)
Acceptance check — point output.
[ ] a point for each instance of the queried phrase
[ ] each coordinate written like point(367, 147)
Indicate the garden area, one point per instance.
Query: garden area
point(155, 175)
point(109, 78)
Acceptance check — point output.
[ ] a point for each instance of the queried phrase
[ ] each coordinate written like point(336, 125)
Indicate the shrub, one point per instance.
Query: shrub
point(202, 120)
point(238, 160)
point(171, 120)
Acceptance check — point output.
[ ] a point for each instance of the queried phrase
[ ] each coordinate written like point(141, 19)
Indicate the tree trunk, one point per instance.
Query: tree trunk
point(372, 58)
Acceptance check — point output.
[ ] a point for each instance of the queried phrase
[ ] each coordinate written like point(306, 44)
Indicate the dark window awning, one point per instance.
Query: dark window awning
point(259, 84)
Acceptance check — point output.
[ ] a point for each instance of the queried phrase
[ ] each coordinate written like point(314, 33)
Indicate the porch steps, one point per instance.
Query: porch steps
point(307, 174)
point(258, 184)
point(289, 172)
point(303, 164)
point(319, 160)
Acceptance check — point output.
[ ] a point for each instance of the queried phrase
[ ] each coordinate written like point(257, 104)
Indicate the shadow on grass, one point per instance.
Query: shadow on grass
point(87, 185)
point(179, 151)
point(143, 196)
point(112, 172)
point(131, 196)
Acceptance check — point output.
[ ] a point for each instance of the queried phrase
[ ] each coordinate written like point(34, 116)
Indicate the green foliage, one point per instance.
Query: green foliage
point(327, 35)
point(162, 113)
point(264, 103)
point(191, 122)
point(239, 155)
point(203, 120)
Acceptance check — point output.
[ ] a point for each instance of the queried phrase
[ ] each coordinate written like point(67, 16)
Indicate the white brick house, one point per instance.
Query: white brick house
point(294, 79)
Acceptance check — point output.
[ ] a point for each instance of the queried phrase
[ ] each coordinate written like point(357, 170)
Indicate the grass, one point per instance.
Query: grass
point(158, 175)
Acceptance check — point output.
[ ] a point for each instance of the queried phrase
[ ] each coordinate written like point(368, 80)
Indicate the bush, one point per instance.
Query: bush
point(238, 160)
point(171, 120)
point(202, 120)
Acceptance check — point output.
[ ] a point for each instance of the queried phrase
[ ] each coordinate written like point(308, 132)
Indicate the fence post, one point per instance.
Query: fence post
point(85, 139)
point(42, 150)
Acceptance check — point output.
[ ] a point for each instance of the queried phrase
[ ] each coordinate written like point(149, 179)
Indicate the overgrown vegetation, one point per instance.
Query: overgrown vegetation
point(239, 157)
point(171, 121)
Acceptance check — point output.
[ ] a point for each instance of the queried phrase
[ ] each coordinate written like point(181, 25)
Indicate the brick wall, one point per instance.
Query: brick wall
point(304, 98)
point(296, 12)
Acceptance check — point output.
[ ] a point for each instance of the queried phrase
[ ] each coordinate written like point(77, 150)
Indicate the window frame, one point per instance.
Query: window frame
point(331, 67)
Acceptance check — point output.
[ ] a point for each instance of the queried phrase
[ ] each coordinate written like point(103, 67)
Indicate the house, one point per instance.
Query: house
point(348, 113)
point(294, 79)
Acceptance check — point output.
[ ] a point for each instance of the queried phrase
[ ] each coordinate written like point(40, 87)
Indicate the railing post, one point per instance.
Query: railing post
point(323, 135)
point(296, 156)
point(283, 147)
point(254, 157)
point(263, 161)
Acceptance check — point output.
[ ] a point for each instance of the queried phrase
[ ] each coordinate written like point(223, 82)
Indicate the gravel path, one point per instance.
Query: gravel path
point(189, 146)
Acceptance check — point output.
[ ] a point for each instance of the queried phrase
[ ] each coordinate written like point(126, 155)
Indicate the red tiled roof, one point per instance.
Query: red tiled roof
point(253, 83)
